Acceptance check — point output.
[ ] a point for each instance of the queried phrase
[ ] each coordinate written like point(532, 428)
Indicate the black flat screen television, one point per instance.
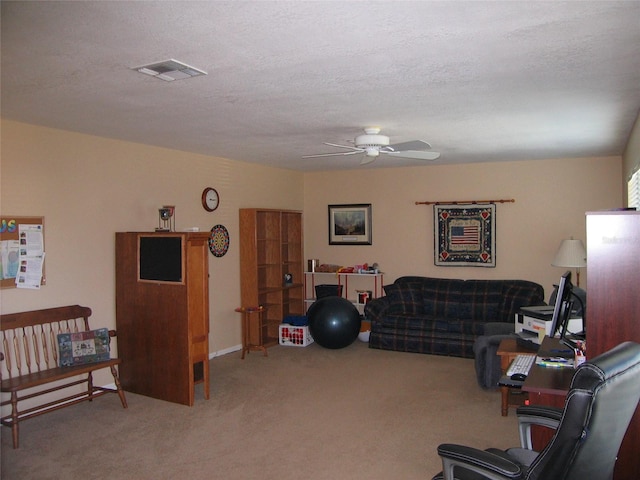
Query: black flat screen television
point(160, 258)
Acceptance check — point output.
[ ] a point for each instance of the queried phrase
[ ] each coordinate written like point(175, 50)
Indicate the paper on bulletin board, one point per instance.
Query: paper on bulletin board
point(9, 253)
point(22, 252)
point(30, 256)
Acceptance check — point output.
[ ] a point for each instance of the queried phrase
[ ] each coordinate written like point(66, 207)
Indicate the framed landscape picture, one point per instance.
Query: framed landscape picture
point(465, 235)
point(350, 224)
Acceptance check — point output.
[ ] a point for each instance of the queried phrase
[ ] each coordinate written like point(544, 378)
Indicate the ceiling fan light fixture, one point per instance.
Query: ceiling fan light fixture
point(364, 141)
point(372, 151)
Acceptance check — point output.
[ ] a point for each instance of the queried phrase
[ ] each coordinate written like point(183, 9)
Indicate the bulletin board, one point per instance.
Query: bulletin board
point(10, 230)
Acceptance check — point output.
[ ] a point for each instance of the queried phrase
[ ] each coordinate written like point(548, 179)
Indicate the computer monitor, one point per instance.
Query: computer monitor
point(562, 307)
point(571, 338)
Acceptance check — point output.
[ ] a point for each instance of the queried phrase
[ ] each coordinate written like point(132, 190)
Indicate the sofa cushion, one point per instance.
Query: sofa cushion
point(442, 297)
point(482, 300)
point(519, 293)
point(423, 341)
point(404, 297)
point(410, 323)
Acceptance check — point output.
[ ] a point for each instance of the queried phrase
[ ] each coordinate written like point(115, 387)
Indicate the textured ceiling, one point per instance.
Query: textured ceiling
point(480, 81)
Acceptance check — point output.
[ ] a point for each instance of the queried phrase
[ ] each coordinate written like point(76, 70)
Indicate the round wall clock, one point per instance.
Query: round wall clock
point(210, 199)
point(219, 240)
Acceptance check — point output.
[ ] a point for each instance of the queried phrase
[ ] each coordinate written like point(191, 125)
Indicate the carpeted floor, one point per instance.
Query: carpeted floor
point(301, 413)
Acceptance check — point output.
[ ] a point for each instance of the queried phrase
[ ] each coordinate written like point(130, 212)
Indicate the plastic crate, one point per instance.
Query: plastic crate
point(294, 336)
point(296, 320)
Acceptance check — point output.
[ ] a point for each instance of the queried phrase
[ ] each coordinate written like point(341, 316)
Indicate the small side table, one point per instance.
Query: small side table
point(511, 397)
point(252, 321)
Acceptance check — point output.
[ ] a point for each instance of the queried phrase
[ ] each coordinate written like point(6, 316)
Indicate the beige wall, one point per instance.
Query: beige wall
point(88, 188)
point(551, 198)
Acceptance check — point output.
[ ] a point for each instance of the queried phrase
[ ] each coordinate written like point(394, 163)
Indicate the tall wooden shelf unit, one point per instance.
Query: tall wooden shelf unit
point(270, 248)
point(163, 326)
point(613, 307)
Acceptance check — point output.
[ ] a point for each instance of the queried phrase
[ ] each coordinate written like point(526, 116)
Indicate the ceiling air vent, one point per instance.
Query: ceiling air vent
point(170, 70)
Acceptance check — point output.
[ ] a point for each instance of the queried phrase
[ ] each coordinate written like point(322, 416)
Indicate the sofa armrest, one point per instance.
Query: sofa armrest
point(498, 328)
point(486, 360)
point(520, 293)
point(375, 308)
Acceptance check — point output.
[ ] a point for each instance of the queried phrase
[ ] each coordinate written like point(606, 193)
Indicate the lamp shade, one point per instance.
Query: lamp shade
point(571, 253)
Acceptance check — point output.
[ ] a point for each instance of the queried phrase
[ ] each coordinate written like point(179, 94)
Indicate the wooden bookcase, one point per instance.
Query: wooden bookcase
point(613, 308)
point(270, 249)
point(163, 326)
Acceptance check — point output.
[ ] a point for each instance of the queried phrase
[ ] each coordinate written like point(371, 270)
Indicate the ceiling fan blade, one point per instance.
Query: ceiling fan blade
point(412, 145)
point(350, 147)
point(367, 159)
point(339, 154)
point(418, 155)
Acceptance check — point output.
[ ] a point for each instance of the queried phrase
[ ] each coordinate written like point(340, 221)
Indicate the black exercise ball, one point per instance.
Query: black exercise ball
point(334, 322)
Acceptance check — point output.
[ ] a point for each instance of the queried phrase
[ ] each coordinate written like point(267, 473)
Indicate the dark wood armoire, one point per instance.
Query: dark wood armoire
point(613, 303)
point(162, 313)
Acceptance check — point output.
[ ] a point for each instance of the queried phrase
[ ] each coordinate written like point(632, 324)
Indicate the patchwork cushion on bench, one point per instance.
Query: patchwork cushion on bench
point(83, 347)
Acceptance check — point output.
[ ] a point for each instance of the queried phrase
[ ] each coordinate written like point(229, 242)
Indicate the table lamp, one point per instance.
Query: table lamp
point(571, 253)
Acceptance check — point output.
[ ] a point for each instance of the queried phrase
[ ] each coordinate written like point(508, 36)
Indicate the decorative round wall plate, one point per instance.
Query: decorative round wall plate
point(219, 240)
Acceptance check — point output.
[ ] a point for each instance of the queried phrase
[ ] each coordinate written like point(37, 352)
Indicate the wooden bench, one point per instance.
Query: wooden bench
point(29, 349)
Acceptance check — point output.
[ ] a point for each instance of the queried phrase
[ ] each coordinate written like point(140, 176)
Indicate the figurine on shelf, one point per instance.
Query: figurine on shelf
point(366, 268)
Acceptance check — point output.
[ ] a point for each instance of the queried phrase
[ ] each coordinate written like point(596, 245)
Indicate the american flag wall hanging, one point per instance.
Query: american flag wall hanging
point(465, 235)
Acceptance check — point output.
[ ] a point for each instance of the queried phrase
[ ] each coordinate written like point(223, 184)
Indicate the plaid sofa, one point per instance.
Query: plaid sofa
point(444, 316)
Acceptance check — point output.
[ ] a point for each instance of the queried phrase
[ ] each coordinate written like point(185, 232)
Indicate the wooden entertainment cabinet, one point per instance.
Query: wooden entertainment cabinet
point(163, 325)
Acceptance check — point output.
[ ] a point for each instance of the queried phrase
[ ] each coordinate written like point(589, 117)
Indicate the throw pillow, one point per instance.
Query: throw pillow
point(405, 297)
point(83, 347)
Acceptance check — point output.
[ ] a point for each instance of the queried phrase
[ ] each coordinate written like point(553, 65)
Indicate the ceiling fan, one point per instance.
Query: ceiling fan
point(372, 144)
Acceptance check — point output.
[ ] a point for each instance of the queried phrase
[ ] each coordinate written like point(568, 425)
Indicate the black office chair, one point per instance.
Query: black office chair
point(603, 396)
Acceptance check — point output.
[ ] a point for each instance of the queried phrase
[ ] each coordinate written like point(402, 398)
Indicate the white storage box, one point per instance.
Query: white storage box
point(294, 336)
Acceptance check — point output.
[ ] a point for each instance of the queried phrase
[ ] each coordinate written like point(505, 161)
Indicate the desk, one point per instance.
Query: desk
point(511, 397)
point(548, 386)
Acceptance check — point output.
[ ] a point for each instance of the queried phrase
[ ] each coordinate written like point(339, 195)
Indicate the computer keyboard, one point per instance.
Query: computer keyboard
point(521, 364)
